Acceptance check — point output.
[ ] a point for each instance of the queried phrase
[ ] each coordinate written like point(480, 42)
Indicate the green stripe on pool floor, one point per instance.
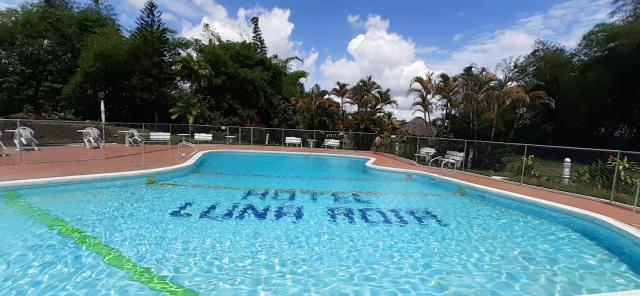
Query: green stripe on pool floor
point(110, 255)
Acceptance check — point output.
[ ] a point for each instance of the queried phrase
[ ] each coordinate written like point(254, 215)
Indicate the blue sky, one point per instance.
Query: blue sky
point(390, 40)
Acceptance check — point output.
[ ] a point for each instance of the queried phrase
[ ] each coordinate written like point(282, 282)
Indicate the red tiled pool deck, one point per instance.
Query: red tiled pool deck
point(57, 161)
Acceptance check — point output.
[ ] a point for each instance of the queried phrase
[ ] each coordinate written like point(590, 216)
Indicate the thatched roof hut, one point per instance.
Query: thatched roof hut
point(418, 127)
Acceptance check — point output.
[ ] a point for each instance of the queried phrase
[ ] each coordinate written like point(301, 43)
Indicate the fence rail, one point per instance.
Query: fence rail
point(608, 174)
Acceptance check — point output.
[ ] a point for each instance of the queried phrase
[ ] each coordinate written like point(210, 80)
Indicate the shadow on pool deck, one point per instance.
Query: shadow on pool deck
point(56, 161)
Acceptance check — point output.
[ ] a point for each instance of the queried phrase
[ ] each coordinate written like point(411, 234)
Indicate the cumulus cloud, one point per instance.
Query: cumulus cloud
point(387, 56)
point(191, 15)
point(565, 23)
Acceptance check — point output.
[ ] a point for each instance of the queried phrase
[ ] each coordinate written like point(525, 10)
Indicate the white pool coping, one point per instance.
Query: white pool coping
point(613, 224)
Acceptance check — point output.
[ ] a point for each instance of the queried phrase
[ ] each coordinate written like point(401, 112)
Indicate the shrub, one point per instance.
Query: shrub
point(601, 173)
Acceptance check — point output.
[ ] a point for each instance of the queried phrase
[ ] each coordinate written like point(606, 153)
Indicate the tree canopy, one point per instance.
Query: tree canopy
point(57, 56)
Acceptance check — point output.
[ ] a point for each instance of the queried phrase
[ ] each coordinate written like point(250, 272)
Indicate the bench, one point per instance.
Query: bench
point(202, 137)
point(160, 137)
point(451, 158)
point(426, 153)
point(333, 143)
point(293, 140)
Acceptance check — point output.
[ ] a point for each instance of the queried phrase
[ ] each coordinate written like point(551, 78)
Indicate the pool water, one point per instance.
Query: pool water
point(283, 224)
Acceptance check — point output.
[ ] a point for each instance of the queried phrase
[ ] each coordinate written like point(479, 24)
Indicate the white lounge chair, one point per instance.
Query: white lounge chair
point(91, 138)
point(426, 153)
point(333, 143)
point(293, 141)
point(201, 137)
point(451, 158)
point(134, 138)
point(3, 150)
point(24, 136)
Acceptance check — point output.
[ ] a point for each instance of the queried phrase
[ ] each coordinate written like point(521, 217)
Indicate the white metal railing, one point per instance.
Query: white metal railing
point(589, 171)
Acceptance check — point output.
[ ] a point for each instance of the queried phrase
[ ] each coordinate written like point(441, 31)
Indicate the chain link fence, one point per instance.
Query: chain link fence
point(605, 174)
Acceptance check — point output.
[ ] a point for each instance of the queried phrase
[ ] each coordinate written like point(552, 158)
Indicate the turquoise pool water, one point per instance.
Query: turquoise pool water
point(282, 224)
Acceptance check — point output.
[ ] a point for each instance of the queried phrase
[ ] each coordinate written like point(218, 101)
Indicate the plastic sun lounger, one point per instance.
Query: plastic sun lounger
point(91, 138)
point(426, 153)
point(293, 141)
point(451, 158)
point(24, 136)
point(134, 137)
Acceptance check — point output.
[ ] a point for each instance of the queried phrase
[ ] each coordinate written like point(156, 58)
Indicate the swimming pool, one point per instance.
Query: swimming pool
point(237, 223)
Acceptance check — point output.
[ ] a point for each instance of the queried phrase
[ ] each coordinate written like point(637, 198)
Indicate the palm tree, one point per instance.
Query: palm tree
point(191, 109)
point(384, 99)
point(523, 104)
point(316, 109)
point(423, 88)
point(390, 122)
point(445, 90)
point(364, 94)
point(473, 87)
point(193, 70)
point(341, 91)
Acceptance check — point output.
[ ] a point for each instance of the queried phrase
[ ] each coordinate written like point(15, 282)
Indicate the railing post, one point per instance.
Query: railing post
point(635, 202)
point(282, 137)
point(104, 146)
point(239, 135)
point(19, 150)
point(251, 133)
point(524, 159)
point(615, 178)
point(464, 158)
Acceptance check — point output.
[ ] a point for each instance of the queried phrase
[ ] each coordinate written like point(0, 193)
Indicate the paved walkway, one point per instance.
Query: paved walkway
point(120, 158)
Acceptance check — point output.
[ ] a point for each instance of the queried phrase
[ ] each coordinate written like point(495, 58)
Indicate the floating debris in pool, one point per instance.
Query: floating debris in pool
point(461, 191)
point(151, 180)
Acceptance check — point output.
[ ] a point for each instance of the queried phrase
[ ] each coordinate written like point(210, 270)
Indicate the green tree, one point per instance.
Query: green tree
point(316, 110)
point(626, 11)
point(194, 71)
point(153, 57)
point(445, 89)
point(191, 109)
point(103, 66)
point(40, 44)
point(258, 41)
point(423, 90)
point(341, 91)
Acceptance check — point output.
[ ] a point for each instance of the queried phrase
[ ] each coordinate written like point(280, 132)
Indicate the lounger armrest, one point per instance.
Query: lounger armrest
point(434, 159)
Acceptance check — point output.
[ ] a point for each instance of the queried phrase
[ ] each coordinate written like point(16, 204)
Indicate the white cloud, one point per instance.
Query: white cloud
point(391, 58)
point(564, 23)
point(428, 50)
point(387, 56)
point(274, 23)
point(488, 52)
point(167, 16)
point(4, 4)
